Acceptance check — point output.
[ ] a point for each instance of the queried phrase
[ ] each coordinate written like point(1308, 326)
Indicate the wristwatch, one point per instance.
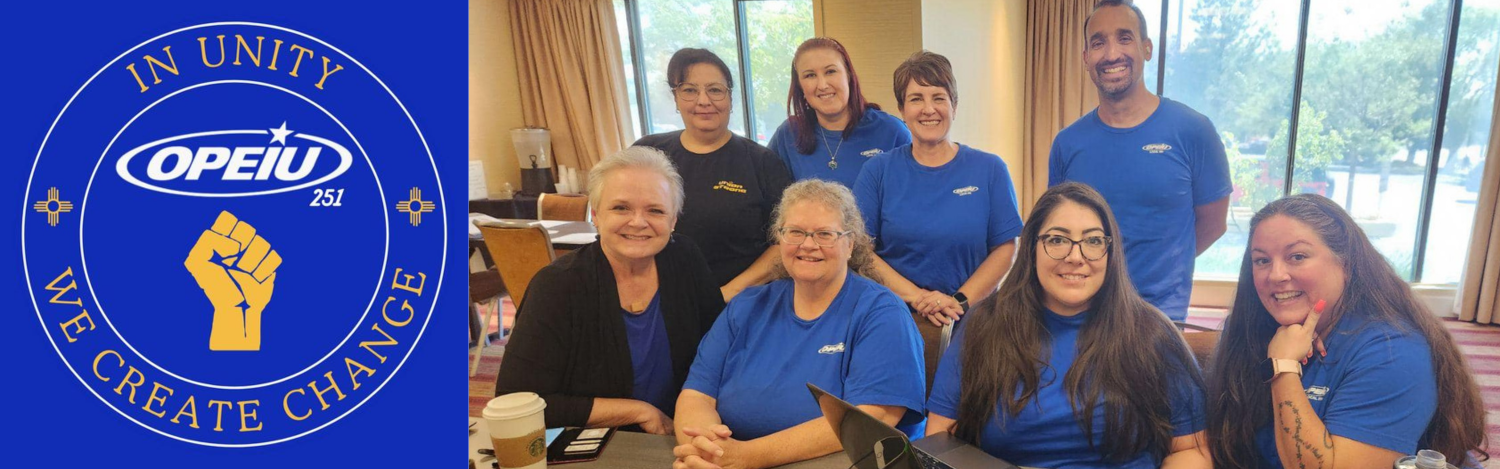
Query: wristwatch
point(963, 300)
point(1282, 365)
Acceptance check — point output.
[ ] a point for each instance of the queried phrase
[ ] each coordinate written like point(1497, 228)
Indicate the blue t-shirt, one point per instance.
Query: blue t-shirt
point(1045, 433)
point(876, 133)
point(1376, 386)
point(1153, 175)
point(759, 356)
point(936, 225)
point(650, 356)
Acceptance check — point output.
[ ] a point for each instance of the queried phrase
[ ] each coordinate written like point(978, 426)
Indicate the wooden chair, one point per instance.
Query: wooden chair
point(934, 342)
point(520, 251)
point(1201, 340)
point(562, 207)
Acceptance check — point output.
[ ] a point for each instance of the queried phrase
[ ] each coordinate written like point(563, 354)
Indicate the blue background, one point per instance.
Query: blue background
point(416, 419)
point(302, 322)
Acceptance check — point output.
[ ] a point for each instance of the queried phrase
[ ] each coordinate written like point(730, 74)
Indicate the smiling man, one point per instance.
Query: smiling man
point(1159, 164)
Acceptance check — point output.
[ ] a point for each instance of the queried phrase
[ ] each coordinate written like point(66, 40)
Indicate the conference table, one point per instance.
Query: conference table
point(566, 235)
point(630, 450)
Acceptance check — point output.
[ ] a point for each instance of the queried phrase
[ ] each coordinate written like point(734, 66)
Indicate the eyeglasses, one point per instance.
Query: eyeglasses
point(823, 238)
point(689, 92)
point(1058, 247)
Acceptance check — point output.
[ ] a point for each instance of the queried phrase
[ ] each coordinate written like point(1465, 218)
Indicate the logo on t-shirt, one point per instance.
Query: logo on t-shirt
point(729, 186)
point(1156, 148)
point(832, 349)
point(963, 191)
point(182, 214)
point(1316, 393)
point(869, 153)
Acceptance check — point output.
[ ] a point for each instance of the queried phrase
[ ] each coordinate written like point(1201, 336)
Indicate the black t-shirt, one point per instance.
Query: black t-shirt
point(729, 194)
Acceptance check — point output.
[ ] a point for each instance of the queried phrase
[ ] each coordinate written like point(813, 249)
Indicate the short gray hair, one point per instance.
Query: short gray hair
point(839, 199)
point(646, 158)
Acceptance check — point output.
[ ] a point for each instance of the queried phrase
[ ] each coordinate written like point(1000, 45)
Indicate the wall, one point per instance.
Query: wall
point(986, 41)
point(879, 35)
point(494, 93)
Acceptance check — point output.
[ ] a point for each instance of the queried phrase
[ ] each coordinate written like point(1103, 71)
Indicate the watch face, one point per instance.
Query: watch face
point(961, 297)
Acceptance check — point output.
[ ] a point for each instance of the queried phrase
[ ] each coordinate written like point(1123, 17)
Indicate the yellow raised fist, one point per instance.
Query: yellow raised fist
point(237, 271)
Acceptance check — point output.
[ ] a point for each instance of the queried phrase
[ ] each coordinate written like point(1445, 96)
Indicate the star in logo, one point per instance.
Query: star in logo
point(278, 135)
point(415, 206)
point(52, 206)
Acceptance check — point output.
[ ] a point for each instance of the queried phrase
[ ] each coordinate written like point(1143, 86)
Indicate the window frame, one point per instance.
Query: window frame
point(1429, 182)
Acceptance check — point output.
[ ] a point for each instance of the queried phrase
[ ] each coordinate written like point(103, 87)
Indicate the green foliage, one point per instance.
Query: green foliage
point(1469, 99)
point(774, 33)
point(1234, 70)
point(1318, 145)
point(1373, 96)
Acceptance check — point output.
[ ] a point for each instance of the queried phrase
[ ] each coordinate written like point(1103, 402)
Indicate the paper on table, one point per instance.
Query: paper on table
point(475, 219)
point(575, 238)
point(478, 218)
point(552, 434)
point(477, 189)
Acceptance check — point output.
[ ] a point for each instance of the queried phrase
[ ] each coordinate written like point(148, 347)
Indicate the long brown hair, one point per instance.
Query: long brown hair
point(1239, 399)
point(1129, 354)
point(801, 114)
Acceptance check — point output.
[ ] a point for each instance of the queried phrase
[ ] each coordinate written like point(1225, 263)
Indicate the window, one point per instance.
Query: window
point(622, 23)
point(1368, 106)
point(1465, 140)
point(773, 30)
point(755, 38)
point(1234, 63)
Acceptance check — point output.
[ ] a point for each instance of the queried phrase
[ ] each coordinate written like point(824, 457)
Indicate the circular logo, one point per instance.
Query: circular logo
point(234, 234)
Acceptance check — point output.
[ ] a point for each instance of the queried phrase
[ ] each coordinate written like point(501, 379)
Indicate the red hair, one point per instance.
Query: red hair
point(804, 120)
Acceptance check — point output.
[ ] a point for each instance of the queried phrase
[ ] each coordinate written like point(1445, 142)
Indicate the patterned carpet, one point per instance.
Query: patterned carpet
point(1481, 344)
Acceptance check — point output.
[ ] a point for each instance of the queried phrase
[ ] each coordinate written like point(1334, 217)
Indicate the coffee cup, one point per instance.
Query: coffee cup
point(517, 430)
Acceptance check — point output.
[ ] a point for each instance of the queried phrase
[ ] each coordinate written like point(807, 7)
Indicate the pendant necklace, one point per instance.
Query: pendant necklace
point(833, 151)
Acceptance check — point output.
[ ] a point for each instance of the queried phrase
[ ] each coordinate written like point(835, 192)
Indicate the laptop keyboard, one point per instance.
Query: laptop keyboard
point(926, 461)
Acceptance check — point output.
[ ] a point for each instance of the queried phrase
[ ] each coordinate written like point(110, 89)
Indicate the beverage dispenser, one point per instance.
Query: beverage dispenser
point(534, 155)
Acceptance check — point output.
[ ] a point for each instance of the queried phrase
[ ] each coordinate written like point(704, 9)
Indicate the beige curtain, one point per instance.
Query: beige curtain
point(1481, 281)
point(572, 77)
point(1058, 89)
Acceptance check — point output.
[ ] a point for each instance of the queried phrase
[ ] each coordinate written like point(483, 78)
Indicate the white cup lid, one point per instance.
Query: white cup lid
point(514, 405)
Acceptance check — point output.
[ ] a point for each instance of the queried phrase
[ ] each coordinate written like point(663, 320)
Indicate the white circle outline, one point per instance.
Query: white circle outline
point(122, 166)
point(83, 257)
point(442, 201)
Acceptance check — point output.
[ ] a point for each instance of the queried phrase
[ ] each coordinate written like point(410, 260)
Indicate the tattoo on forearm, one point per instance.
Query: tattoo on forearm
point(1295, 431)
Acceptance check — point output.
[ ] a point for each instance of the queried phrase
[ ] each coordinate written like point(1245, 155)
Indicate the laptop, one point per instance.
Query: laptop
point(871, 444)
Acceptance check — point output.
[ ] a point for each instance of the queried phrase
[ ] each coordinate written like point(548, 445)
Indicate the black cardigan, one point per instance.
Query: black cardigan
point(569, 343)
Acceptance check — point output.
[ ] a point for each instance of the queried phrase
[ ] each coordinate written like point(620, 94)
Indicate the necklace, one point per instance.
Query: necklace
point(833, 151)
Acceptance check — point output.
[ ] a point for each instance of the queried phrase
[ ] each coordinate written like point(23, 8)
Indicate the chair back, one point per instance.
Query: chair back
point(562, 207)
point(934, 342)
point(519, 251)
point(1201, 340)
point(1202, 344)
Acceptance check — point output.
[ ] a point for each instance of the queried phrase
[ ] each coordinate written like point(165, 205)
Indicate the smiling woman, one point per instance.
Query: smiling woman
point(830, 130)
point(1328, 312)
point(825, 325)
point(943, 215)
point(606, 333)
point(1066, 342)
point(731, 182)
